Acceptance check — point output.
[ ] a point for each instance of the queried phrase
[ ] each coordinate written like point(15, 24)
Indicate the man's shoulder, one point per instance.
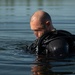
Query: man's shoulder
point(58, 34)
point(63, 33)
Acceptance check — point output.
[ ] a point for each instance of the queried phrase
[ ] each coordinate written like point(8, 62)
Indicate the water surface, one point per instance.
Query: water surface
point(15, 35)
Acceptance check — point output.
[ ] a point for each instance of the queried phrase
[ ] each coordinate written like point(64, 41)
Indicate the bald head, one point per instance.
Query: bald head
point(40, 23)
point(41, 16)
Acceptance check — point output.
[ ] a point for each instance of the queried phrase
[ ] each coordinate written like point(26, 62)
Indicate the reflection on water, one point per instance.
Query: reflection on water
point(15, 60)
point(47, 66)
point(42, 66)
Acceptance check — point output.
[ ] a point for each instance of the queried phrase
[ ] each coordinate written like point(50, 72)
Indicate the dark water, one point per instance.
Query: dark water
point(15, 34)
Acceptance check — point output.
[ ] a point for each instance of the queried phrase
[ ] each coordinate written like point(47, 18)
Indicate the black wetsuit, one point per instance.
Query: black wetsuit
point(55, 44)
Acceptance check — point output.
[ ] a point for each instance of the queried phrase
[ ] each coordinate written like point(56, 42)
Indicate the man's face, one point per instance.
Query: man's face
point(37, 28)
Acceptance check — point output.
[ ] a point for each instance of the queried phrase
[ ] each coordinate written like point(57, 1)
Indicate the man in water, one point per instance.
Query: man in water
point(49, 41)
